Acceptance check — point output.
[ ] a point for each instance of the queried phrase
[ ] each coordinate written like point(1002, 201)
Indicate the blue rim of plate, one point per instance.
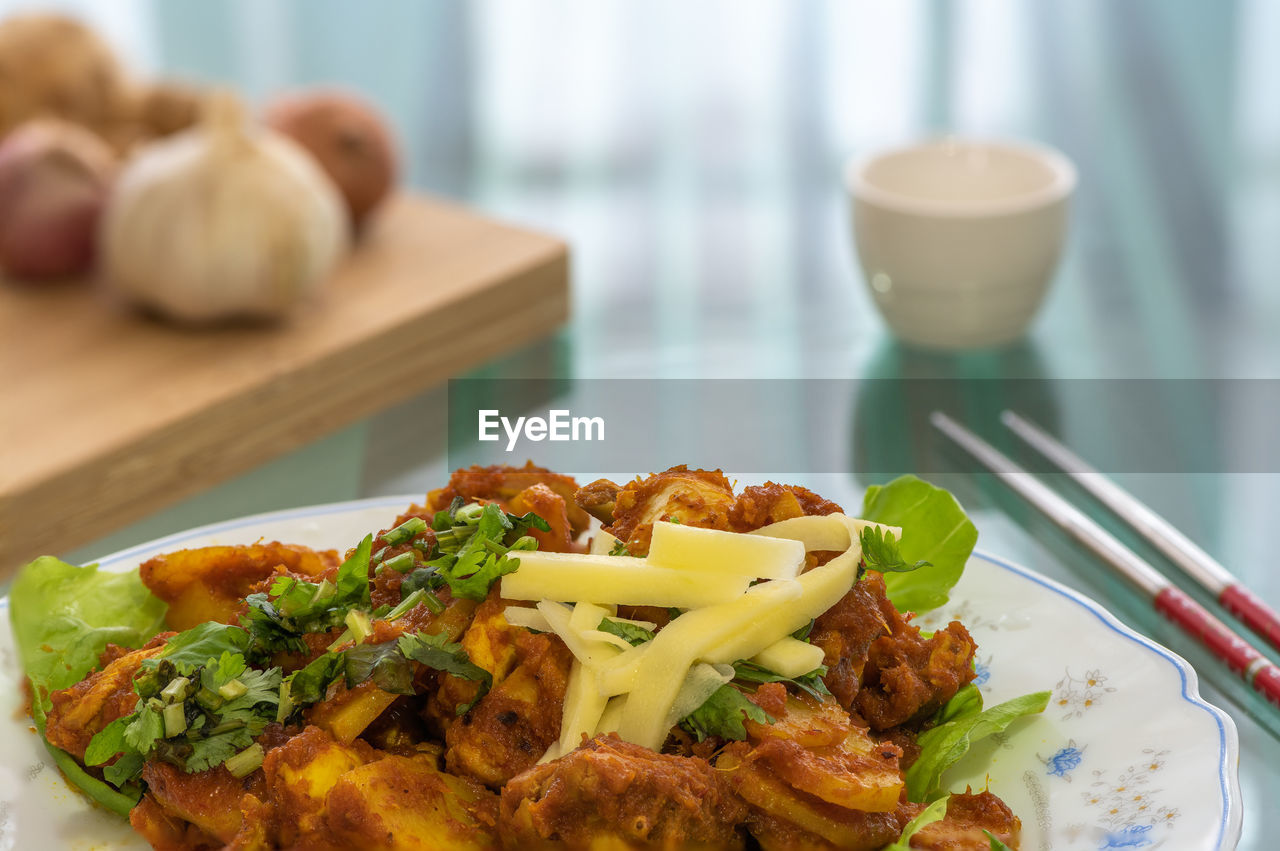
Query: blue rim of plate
point(1229, 827)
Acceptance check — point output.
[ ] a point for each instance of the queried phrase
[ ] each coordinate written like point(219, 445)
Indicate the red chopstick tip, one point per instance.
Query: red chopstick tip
point(1267, 683)
point(1237, 653)
point(1252, 612)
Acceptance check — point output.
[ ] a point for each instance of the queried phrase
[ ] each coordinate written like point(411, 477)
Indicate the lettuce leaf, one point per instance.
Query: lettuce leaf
point(942, 746)
point(63, 617)
point(996, 844)
point(934, 812)
point(935, 529)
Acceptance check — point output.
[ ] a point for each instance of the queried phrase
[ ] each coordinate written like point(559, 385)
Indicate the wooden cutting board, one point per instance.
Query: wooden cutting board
point(107, 416)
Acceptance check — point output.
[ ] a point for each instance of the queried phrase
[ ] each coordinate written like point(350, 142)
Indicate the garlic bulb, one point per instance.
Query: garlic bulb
point(222, 221)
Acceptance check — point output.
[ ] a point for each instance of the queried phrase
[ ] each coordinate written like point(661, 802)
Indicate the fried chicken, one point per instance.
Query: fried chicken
point(82, 711)
point(701, 498)
point(610, 793)
point(501, 483)
point(210, 583)
point(880, 666)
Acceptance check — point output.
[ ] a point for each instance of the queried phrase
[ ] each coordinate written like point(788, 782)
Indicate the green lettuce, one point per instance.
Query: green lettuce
point(63, 617)
point(963, 722)
point(934, 812)
point(996, 844)
point(935, 530)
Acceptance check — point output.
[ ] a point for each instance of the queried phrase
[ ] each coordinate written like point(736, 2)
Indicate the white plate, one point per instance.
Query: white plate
point(1127, 756)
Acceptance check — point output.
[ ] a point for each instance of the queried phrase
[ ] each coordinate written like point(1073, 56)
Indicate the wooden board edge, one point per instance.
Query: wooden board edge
point(193, 454)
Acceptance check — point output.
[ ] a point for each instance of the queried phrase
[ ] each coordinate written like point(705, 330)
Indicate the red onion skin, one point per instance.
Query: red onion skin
point(52, 191)
point(350, 140)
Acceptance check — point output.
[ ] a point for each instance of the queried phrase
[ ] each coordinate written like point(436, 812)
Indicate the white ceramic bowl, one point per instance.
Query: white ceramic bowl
point(959, 239)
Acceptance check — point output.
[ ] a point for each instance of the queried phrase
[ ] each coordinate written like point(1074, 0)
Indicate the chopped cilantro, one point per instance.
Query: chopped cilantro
point(436, 651)
point(210, 728)
point(293, 607)
point(405, 532)
point(188, 650)
point(384, 664)
point(810, 683)
point(472, 546)
point(723, 714)
point(628, 632)
point(308, 685)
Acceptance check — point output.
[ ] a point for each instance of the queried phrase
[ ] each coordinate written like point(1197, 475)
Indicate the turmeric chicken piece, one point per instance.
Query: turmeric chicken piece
point(210, 583)
point(878, 664)
point(551, 507)
point(908, 677)
point(82, 711)
point(761, 505)
point(612, 794)
point(400, 803)
point(490, 643)
point(694, 497)
point(208, 801)
point(501, 483)
point(968, 815)
point(846, 630)
point(317, 794)
point(299, 775)
point(167, 832)
point(511, 727)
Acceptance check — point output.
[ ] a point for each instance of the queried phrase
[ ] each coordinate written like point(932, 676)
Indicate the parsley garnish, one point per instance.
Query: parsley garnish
point(619, 548)
point(880, 552)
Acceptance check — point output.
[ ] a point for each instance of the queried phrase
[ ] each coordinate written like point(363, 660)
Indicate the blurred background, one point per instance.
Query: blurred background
point(691, 155)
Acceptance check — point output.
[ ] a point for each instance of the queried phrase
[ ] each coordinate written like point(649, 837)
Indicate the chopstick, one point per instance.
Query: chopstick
point(1240, 657)
point(1177, 547)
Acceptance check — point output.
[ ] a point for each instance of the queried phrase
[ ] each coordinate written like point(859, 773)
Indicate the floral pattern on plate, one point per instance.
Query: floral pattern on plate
point(1127, 748)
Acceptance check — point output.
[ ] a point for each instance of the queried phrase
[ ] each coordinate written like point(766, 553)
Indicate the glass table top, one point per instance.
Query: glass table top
point(691, 154)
